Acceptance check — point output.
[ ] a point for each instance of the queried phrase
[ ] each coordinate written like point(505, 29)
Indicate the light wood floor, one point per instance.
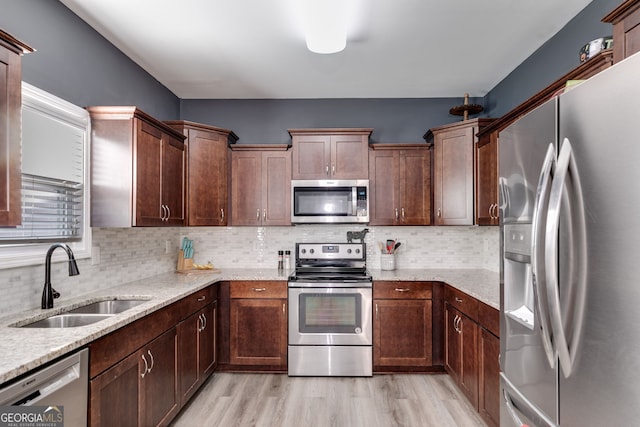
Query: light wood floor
point(230, 399)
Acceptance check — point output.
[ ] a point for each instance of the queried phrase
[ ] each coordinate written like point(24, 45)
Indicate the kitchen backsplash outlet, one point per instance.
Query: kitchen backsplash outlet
point(128, 254)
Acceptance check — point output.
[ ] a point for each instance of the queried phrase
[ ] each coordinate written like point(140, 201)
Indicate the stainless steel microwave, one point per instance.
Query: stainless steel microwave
point(329, 201)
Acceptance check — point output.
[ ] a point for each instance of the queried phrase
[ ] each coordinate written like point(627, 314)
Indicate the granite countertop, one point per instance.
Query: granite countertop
point(24, 349)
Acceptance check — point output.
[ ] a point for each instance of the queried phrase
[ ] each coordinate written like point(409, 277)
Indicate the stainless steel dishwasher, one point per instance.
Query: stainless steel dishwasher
point(63, 384)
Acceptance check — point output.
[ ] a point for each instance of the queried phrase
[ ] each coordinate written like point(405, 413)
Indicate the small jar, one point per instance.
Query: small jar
point(287, 260)
point(280, 260)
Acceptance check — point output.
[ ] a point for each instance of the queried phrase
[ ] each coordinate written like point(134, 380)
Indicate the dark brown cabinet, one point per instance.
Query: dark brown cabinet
point(489, 384)
point(260, 185)
point(453, 162)
point(461, 336)
point(258, 323)
point(400, 184)
point(402, 326)
point(11, 51)
point(330, 153)
point(140, 390)
point(487, 208)
point(626, 29)
point(137, 170)
point(207, 172)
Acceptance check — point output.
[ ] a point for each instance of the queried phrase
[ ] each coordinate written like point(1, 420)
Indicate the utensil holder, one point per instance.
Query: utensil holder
point(184, 263)
point(387, 261)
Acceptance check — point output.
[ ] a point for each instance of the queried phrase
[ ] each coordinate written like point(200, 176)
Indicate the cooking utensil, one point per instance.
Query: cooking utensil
point(390, 244)
point(395, 247)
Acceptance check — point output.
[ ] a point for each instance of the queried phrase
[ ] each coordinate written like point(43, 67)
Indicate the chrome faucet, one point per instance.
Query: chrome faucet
point(48, 293)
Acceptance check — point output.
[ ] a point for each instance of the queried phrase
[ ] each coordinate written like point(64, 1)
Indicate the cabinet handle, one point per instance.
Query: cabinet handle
point(221, 215)
point(402, 210)
point(459, 300)
point(202, 298)
point(264, 214)
point(284, 308)
point(146, 366)
point(199, 323)
point(376, 311)
point(333, 168)
point(326, 169)
point(163, 215)
point(258, 289)
point(396, 213)
point(438, 213)
point(403, 290)
point(258, 215)
point(152, 361)
point(168, 213)
point(204, 321)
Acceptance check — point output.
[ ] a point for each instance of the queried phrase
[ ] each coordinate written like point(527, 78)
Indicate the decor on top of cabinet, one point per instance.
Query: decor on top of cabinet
point(465, 109)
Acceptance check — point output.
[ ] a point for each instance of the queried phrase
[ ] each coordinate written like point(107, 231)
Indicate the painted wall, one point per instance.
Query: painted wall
point(77, 64)
point(552, 60)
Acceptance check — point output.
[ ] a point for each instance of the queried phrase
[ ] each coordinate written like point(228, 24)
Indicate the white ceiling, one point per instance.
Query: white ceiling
point(244, 49)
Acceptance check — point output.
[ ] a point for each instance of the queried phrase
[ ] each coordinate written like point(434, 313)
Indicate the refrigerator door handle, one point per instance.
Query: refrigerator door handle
point(517, 406)
point(575, 286)
point(541, 303)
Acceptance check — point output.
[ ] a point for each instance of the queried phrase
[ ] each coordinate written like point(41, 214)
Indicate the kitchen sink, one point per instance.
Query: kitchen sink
point(85, 314)
point(67, 320)
point(113, 306)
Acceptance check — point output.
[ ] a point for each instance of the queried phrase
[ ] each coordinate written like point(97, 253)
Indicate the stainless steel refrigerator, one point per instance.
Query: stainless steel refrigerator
point(569, 178)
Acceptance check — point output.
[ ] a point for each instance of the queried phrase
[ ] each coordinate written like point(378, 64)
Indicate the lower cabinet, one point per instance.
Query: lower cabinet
point(140, 390)
point(472, 349)
point(402, 325)
point(143, 373)
point(258, 324)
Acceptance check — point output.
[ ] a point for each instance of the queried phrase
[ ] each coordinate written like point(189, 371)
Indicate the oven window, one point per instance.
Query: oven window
point(314, 201)
point(330, 313)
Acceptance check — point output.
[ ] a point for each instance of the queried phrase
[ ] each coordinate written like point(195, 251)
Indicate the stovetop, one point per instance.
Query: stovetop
point(330, 262)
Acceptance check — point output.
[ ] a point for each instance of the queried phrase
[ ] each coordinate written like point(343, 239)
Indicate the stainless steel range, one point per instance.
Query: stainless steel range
point(330, 311)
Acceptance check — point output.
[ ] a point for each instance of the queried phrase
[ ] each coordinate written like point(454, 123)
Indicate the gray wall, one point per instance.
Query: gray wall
point(552, 60)
point(77, 64)
point(258, 121)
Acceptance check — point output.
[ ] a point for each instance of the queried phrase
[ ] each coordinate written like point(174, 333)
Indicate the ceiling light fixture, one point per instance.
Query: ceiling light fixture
point(325, 25)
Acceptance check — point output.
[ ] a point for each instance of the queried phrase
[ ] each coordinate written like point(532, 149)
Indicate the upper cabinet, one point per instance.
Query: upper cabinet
point(137, 170)
point(626, 29)
point(487, 207)
point(11, 51)
point(400, 184)
point(207, 172)
point(454, 155)
point(260, 184)
point(330, 153)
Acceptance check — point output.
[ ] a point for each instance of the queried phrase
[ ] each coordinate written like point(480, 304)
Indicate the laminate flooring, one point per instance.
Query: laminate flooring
point(277, 400)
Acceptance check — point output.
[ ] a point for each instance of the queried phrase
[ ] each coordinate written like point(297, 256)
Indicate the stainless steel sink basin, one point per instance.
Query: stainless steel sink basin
point(114, 306)
point(68, 320)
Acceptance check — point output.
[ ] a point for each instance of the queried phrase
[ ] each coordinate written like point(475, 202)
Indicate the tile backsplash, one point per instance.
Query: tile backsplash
point(127, 254)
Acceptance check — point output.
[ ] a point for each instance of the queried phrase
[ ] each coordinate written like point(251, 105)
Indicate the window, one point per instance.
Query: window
point(55, 186)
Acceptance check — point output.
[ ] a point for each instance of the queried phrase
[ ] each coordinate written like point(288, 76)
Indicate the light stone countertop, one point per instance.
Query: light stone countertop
point(24, 349)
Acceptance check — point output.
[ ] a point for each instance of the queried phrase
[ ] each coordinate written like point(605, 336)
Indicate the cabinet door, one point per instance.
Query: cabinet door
point(246, 188)
point(453, 176)
point(10, 136)
point(188, 334)
point(148, 185)
point(207, 178)
point(311, 156)
point(402, 333)
point(489, 370)
point(207, 341)
point(468, 379)
point(115, 395)
point(173, 180)
point(159, 385)
point(258, 332)
point(414, 174)
point(383, 187)
point(487, 181)
point(276, 188)
point(453, 343)
point(349, 157)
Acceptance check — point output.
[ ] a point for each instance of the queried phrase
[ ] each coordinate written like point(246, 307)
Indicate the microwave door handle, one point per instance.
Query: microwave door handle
point(354, 201)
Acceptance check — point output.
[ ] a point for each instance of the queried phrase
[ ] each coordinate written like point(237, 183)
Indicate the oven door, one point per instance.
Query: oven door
point(330, 316)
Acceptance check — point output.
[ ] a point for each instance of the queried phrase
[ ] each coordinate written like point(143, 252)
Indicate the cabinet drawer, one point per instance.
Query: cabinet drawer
point(489, 318)
point(259, 289)
point(463, 302)
point(199, 299)
point(402, 290)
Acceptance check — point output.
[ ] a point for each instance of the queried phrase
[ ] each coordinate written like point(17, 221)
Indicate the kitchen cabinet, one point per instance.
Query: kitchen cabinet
point(11, 51)
point(461, 335)
point(400, 184)
point(140, 390)
point(489, 380)
point(260, 185)
point(197, 343)
point(258, 324)
point(487, 208)
point(330, 153)
point(207, 172)
point(137, 169)
point(626, 29)
point(402, 325)
point(453, 162)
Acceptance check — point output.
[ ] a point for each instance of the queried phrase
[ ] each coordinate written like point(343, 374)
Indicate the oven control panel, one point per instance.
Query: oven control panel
point(347, 251)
